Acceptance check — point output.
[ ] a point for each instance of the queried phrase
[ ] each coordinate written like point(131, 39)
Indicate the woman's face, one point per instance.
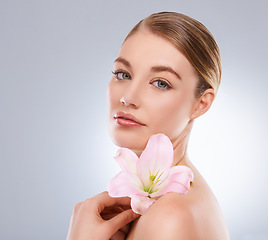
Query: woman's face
point(151, 91)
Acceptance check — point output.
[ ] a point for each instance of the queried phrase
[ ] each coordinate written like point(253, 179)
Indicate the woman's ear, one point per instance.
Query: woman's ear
point(203, 103)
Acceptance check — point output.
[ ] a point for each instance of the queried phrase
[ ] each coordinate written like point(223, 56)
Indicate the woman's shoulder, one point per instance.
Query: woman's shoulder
point(170, 217)
point(195, 215)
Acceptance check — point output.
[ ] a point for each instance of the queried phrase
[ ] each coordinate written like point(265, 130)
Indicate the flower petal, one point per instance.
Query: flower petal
point(178, 181)
point(140, 204)
point(126, 159)
point(125, 184)
point(157, 156)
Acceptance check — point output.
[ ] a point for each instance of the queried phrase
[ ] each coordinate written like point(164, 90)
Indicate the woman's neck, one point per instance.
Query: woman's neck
point(180, 146)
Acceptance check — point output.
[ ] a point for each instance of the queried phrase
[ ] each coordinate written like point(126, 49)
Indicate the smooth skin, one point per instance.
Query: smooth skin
point(157, 84)
point(162, 101)
point(154, 82)
point(101, 217)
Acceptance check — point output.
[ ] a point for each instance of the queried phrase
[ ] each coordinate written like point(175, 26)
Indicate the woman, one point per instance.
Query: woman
point(167, 74)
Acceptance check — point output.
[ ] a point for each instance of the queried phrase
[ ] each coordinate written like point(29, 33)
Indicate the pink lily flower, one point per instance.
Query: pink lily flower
point(146, 178)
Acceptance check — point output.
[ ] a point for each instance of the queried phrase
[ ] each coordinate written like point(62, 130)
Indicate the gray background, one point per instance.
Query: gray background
point(55, 62)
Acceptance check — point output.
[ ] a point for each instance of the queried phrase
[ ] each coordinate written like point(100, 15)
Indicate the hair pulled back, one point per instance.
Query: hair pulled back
point(193, 40)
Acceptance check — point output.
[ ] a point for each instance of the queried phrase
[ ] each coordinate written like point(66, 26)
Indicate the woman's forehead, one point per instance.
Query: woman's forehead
point(144, 49)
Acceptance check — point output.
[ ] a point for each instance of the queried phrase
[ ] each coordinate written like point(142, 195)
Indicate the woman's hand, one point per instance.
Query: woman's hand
point(101, 217)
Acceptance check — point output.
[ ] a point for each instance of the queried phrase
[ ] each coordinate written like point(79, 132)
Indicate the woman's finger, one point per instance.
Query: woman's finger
point(103, 200)
point(125, 229)
point(108, 216)
point(122, 219)
point(118, 236)
point(110, 210)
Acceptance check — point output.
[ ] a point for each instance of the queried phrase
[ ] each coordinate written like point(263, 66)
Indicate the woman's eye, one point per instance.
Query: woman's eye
point(161, 84)
point(122, 75)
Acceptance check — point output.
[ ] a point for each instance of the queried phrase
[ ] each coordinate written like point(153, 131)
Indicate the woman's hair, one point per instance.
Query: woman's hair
point(193, 40)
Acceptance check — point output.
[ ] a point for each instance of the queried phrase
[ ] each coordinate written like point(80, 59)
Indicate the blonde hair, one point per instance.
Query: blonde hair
point(191, 38)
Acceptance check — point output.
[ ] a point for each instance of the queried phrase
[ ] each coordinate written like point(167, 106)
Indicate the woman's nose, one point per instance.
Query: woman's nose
point(126, 103)
point(131, 96)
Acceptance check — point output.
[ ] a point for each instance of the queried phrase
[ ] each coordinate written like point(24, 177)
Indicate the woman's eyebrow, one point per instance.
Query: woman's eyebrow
point(165, 69)
point(153, 69)
point(123, 60)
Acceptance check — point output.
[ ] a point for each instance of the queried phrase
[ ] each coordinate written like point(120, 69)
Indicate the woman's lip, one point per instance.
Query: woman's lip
point(126, 119)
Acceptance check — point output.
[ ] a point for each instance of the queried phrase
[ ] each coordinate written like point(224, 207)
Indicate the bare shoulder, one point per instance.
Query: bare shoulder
point(167, 219)
point(177, 216)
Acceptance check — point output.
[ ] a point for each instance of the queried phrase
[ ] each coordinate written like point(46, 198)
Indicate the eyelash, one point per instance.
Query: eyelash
point(166, 87)
point(116, 73)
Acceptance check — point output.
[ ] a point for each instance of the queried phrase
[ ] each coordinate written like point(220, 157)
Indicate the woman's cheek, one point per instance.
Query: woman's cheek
point(170, 116)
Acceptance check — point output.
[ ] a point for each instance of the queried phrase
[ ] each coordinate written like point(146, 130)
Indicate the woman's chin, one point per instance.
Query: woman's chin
point(131, 141)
